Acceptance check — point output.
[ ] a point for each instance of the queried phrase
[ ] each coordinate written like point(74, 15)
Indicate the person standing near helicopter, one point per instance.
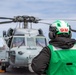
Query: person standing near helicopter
point(59, 57)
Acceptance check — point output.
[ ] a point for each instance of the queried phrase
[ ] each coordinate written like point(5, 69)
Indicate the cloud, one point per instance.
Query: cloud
point(45, 9)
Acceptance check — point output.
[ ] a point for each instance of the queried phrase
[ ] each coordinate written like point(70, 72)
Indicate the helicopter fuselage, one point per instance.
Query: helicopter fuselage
point(25, 45)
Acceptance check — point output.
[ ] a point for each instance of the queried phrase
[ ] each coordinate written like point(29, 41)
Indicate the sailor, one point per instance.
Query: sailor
point(59, 57)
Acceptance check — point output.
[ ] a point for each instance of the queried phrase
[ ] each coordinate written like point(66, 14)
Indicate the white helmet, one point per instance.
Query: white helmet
point(59, 27)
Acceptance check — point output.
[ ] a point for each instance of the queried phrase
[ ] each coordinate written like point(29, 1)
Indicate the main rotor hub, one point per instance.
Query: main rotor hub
point(30, 19)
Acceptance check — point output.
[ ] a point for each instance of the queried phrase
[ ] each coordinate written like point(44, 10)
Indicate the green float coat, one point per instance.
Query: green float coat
point(62, 62)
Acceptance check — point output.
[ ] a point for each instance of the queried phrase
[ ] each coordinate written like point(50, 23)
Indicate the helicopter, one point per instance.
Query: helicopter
point(24, 43)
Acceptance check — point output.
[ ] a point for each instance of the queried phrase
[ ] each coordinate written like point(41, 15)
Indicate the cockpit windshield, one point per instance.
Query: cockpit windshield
point(30, 41)
point(17, 41)
point(40, 41)
point(36, 41)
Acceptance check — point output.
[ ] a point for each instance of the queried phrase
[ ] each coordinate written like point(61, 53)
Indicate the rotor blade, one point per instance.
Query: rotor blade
point(44, 23)
point(6, 18)
point(6, 22)
point(73, 30)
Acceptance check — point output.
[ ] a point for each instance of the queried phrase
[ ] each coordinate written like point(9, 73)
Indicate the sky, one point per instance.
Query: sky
point(43, 9)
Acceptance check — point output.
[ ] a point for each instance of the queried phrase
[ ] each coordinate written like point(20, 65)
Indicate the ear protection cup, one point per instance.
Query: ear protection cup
point(51, 35)
point(52, 31)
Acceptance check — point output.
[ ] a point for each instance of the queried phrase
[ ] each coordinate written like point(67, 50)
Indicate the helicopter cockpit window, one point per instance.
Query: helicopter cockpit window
point(40, 41)
point(17, 41)
point(30, 41)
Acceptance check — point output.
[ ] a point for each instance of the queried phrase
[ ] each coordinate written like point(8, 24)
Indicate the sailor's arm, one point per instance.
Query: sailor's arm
point(41, 61)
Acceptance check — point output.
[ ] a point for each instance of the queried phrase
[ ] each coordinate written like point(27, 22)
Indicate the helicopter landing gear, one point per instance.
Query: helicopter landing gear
point(4, 68)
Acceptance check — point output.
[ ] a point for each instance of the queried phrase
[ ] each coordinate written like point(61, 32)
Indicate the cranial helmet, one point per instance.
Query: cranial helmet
point(60, 28)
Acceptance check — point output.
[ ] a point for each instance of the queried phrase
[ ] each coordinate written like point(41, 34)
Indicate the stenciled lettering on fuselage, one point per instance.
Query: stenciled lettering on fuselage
point(31, 49)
